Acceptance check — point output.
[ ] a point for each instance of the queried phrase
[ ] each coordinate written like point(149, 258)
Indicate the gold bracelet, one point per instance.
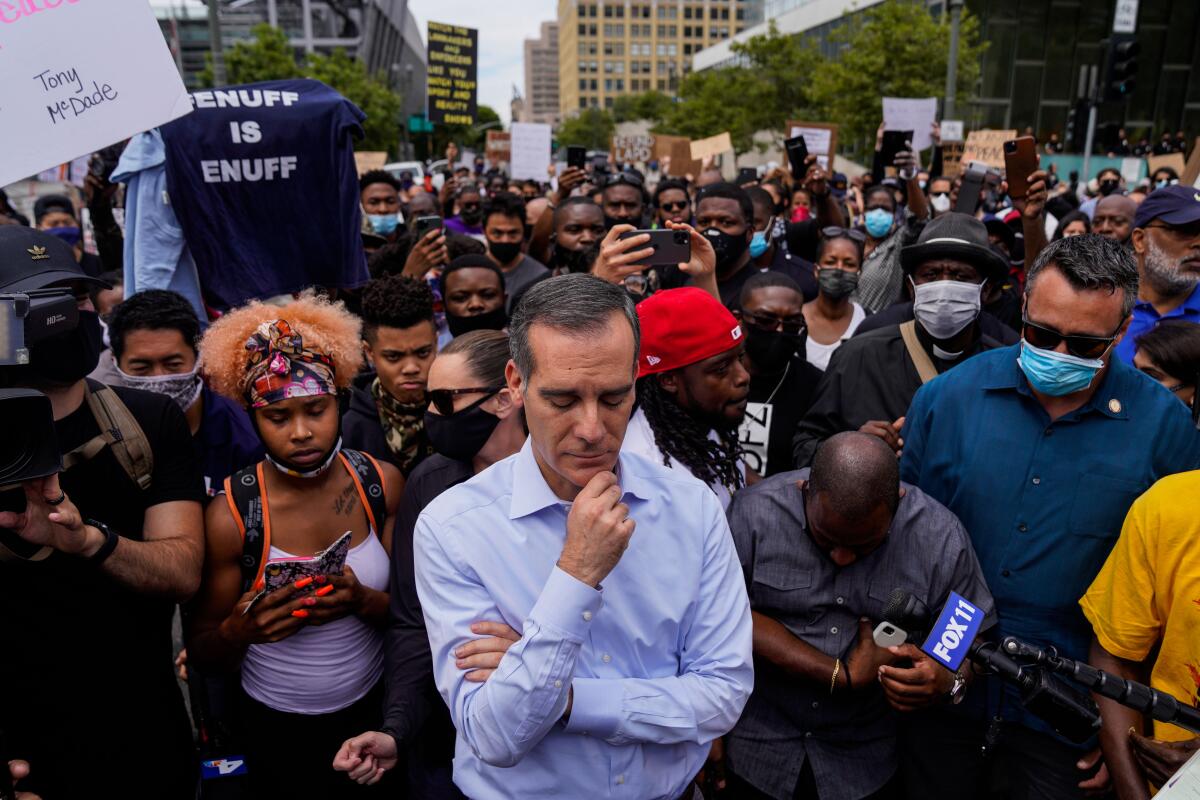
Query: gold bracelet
point(837, 667)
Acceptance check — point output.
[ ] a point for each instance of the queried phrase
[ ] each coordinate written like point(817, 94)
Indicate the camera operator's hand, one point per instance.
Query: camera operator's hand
point(50, 519)
point(428, 253)
point(617, 256)
point(571, 179)
point(273, 618)
point(702, 266)
point(598, 531)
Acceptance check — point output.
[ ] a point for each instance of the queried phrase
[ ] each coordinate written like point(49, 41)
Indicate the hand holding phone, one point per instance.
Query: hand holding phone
point(667, 247)
point(894, 143)
point(576, 156)
point(1020, 161)
point(797, 151)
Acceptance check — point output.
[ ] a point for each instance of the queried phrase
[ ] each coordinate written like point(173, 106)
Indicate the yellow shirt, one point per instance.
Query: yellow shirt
point(1149, 591)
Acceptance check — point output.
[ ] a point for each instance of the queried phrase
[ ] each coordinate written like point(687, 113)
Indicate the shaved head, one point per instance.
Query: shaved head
point(856, 473)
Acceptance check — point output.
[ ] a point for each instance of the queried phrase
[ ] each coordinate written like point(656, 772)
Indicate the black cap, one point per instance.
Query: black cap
point(957, 236)
point(31, 259)
point(52, 202)
point(1174, 205)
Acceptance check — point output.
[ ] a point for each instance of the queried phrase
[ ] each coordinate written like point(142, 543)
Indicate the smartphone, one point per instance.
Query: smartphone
point(576, 156)
point(600, 163)
point(747, 175)
point(670, 247)
point(279, 572)
point(423, 225)
point(797, 151)
point(972, 184)
point(895, 142)
point(1020, 161)
point(888, 635)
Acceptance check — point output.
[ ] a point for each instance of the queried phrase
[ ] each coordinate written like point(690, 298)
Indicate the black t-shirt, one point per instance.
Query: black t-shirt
point(774, 423)
point(87, 687)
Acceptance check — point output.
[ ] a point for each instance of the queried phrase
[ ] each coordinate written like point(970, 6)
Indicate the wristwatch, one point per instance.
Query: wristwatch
point(110, 542)
point(959, 690)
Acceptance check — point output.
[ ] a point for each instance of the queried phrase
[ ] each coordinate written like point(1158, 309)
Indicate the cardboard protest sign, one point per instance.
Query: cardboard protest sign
point(530, 150)
point(367, 160)
point(1191, 172)
point(711, 147)
point(632, 149)
point(80, 76)
point(916, 114)
point(452, 56)
point(1170, 160)
point(952, 153)
point(821, 140)
point(679, 150)
point(987, 146)
point(499, 146)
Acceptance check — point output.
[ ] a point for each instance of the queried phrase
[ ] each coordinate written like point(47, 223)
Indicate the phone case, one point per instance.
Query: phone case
point(888, 635)
point(280, 572)
point(1019, 164)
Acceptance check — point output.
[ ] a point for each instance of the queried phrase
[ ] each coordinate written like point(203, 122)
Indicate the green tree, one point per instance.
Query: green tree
point(268, 56)
point(592, 128)
point(652, 105)
point(897, 50)
point(467, 137)
point(349, 77)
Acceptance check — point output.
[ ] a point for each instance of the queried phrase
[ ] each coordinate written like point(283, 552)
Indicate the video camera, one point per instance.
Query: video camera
point(27, 318)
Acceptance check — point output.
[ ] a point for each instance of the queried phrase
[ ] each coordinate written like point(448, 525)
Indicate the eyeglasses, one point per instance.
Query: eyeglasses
point(1089, 347)
point(443, 399)
point(766, 322)
point(837, 232)
point(677, 206)
point(631, 178)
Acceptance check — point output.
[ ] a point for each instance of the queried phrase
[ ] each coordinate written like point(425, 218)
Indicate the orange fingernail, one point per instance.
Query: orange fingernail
point(300, 612)
point(300, 584)
point(259, 586)
point(324, 590)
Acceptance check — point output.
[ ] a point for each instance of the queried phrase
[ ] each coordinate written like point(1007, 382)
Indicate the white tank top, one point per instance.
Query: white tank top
point(321, 669)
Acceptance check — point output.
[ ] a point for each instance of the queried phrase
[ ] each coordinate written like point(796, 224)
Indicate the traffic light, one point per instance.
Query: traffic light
point(1121, 68)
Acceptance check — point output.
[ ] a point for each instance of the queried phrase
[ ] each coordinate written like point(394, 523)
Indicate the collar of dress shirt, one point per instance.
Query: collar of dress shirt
point(1109, 398)
point(531, 493)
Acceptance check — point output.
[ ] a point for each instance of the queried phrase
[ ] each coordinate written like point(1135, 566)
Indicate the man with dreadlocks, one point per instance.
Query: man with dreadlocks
point(692, 388)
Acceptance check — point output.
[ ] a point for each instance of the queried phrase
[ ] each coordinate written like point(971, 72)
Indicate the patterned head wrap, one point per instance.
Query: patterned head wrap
point(280, 367)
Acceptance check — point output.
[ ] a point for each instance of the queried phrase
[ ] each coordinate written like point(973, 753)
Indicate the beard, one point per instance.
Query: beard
point(1164, 274)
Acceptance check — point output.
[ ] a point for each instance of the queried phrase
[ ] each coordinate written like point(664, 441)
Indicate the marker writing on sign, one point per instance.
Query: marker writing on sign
point(14, 10)
point(81, 98)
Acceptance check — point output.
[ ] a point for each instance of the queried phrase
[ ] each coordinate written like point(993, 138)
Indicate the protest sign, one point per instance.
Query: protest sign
point(632, 149)
point(952, 130)
point(453, 55)
point(987, 146)
point(820, 139)
point(678, 149)
point(530, 151)
point(1170, 161)
point(367, 160)
point(78, 77)
point(916, 114)
point(499, 146)
point(952, 153)
point(711, 147)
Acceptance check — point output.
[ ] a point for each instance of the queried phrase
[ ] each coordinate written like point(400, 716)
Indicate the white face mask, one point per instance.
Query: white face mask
point(182, 387)
point(946, 307)
point(940, 203)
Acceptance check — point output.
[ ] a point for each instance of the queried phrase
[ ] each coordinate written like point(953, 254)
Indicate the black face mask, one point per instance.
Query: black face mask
point(463, 434)
point(611, 222)
point(770, 351)
point(70, 357)
point(504, 252)
point(1108, 187)
point(471, 217)
point(487, 321)
point(573, 260)
point(729, 248)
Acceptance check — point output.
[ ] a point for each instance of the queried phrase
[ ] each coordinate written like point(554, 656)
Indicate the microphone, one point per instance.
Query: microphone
point(952, 640)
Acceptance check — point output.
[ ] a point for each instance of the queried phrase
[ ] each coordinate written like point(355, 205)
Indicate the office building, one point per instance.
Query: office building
point(541, 77)
point(608, 48)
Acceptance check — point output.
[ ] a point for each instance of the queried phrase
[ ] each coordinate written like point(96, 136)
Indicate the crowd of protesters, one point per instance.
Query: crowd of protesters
point(610, 529)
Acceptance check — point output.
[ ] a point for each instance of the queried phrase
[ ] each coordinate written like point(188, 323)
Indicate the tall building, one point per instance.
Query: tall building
point(541, 77)
point(608, 48)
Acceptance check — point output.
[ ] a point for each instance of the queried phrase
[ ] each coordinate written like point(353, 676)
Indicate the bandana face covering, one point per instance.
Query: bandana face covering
point(403, 428)
point(280, 367)
point(184, 387)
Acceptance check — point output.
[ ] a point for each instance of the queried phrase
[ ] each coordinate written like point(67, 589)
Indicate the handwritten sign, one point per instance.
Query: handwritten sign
point(712, 147)
point(820, 139)
point(530, 150)
point(499, 146)
point(1170, 161)
point(69, 90)
point(453, 56)
point(987, 146)
point(632, 149)
point(367, 160)
point(952, 153)
point(916, 114)
point(952, 130)
point(674, 154)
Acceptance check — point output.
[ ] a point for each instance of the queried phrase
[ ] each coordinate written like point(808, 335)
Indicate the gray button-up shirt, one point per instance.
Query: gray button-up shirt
point(849, 737)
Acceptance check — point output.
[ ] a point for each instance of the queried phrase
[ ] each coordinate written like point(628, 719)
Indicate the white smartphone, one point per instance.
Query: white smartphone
point(888, 635)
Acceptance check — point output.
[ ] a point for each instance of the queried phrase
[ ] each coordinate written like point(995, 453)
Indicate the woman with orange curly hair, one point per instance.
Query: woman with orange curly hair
point(311, 652)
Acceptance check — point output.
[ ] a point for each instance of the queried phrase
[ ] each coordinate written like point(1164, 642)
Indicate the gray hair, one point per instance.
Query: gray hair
point(1090, 262)
point(578, 304)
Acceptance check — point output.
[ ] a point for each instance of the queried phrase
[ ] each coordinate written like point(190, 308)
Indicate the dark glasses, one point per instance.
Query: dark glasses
point(1089, 347)
point(765, 322)
point(443, 399)
point(623, 177)
point(677, 206)
point(837, 232)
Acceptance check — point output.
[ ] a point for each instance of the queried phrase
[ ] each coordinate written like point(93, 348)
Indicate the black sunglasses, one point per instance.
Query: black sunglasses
point(443, 399)
point(1089, 347)
point(837, 232)
point(623, 177)
point(766, 322)
point(677, 206)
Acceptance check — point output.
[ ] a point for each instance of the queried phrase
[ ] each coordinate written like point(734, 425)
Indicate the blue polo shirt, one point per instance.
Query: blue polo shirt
point(1043, 501)
point(1145, 318)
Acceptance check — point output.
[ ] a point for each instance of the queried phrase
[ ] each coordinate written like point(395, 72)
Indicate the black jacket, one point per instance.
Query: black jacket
point(362, 430)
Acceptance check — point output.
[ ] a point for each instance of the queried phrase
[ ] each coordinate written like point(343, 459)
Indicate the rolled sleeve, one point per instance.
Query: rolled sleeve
point(567, 605)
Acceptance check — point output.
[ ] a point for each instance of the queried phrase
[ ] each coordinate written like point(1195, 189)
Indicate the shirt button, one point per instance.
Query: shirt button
point(1005, 573)
point(620, 779)
point(841, 600)
point(808, 734)
point(816, 704)
point(1049, 431)
point(1037, 481)
point(587, 616)
point(558, 684)
point(833, 630)
point(606, 658)
point(1022, 527)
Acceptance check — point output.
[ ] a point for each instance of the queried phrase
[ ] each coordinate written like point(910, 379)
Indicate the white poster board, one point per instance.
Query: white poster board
point(916, 114)
point(530, 151)
point(952, 130)
point(819, 138)
point(1185, 783)
point(80, 76)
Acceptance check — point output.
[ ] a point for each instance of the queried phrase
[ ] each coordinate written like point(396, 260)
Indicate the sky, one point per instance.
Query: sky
point(503, 28)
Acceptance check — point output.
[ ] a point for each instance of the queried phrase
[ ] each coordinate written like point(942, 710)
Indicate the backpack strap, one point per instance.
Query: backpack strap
point(920, 359)
point(368, 479)
point(119, 431)
point(247, 498)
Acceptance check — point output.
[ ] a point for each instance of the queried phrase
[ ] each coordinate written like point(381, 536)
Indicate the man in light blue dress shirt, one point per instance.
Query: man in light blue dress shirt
point(629, 651)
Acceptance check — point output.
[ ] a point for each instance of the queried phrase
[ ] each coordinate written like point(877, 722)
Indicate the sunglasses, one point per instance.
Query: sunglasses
point(677, 206)
point(1090, 347)
point(622, 177)
point(765, 322)
point(837, 232)
point(443, 399)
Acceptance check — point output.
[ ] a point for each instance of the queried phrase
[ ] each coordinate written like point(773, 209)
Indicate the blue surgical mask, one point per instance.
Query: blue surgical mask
point(759, 244)
point(70, 234)
point(1057, 374)
point(879, 222)
point(383, 224)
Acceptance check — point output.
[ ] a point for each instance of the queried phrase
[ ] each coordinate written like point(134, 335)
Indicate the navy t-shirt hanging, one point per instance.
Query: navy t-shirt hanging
point(263, 181)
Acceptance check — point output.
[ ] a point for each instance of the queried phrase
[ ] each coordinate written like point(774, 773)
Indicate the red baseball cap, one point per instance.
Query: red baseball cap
point(681, 327)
